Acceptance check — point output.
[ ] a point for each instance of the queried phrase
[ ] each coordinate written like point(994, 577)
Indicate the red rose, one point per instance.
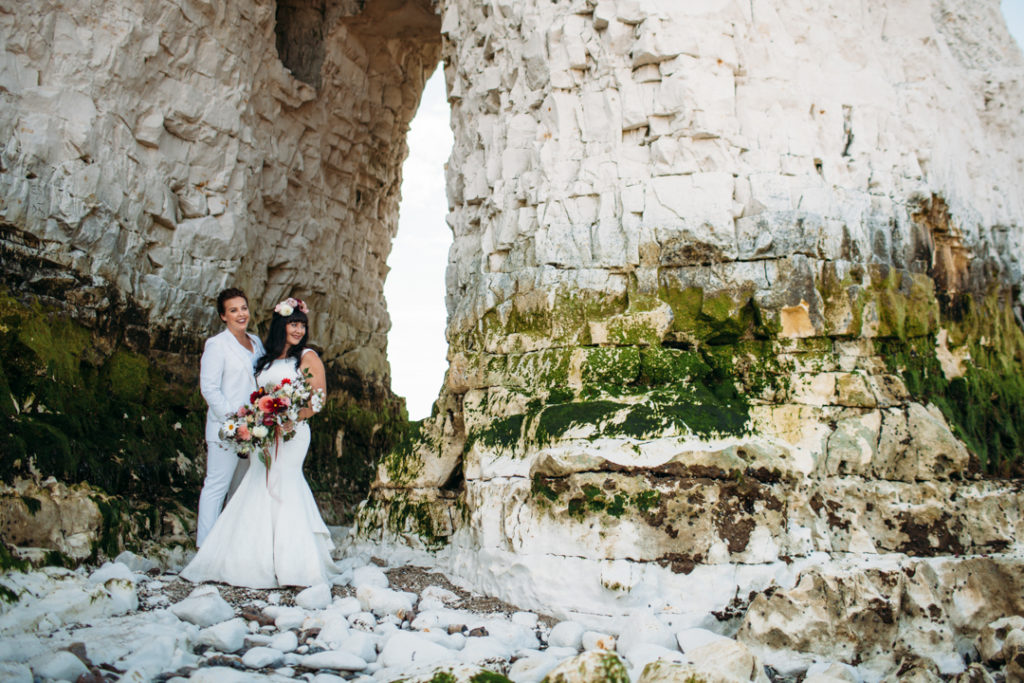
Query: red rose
point(286, 381)
point(268, 420)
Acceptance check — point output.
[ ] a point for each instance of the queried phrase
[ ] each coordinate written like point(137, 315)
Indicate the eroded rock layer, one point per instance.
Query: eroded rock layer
point(733, 285)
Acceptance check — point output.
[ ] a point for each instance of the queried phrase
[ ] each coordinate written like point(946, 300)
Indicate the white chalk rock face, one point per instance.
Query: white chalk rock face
point(992, 638)
point(797, 195)
point(203, 607)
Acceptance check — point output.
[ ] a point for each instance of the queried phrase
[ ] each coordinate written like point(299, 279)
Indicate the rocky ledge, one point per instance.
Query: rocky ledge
point(403, 618)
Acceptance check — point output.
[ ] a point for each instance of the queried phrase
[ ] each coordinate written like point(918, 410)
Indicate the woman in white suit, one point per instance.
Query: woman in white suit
point(226, 380)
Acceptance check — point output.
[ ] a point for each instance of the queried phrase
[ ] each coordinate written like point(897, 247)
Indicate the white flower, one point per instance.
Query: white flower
point(259, 431)
point(284, 310)
point(230, 427)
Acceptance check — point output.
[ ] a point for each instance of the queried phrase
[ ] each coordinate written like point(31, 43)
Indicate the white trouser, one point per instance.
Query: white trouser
point(221, 462)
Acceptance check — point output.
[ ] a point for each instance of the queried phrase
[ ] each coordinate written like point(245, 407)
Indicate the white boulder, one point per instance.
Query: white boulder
point(405, 648)
point(227, 636)
point(532, 669)
point(645, 628)
point(13, 672)
point(61, 666)
point(480, 649)
point(595, 640)
point(362, 645)
point(347, 606)
point(383, 601)
point(640, 655)
point(135, 562)
point(285, 642)
point(288, 617)
point(692, 638)
point(262, 657)
point(727, 660)
point(339, 660)
point(204, 608)
point(590, 667)
point(334, 630)
point(370, 575)
point(566, 634)
point(443, 595)
point(314, 597)
point(112, 570)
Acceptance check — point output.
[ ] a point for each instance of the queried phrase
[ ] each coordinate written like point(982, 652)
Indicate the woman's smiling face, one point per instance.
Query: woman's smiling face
point(236, 314)
point(294, 332)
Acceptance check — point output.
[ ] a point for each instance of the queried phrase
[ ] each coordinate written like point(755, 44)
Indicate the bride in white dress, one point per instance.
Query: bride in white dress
point(271, 533)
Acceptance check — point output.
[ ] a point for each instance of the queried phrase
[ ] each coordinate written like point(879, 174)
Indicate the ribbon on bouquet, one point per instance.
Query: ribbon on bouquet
point(270, 462)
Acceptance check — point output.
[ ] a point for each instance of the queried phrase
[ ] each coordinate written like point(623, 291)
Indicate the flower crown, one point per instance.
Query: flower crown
point(288, 306)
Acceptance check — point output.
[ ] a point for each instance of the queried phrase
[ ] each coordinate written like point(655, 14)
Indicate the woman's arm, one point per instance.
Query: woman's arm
point(317, 380)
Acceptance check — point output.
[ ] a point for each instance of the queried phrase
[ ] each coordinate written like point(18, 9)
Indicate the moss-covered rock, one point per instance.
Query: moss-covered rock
point(118, 421)
point(421, 518)
point(985, 405)
point(348, 441)
point(594, 666)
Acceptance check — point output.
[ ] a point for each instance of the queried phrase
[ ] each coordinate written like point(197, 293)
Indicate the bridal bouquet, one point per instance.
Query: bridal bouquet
point(259, 423)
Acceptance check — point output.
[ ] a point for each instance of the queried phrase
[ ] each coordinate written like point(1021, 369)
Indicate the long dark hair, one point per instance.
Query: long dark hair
point(275, 342)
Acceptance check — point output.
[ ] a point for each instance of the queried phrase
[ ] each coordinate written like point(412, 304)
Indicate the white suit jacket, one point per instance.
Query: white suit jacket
point(226, 376)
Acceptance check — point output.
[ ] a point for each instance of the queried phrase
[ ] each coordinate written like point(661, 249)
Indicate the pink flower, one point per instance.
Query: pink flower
point(243, 433)
point(284, 401)
point(242, 412)
point(266, 404)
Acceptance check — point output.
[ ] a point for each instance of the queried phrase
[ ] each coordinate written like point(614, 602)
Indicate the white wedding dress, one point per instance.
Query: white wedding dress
point(270, 533)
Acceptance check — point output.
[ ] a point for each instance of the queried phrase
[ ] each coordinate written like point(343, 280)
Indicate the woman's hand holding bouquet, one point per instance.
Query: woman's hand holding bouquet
point(271, 413)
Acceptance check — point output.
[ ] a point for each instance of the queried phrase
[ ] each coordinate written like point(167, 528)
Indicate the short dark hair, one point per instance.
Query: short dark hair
point(229, 293)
